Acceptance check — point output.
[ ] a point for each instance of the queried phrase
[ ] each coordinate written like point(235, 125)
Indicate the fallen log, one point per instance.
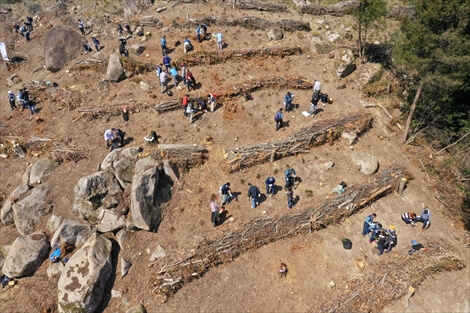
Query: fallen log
point(89, 63)
point(242, 157)
point(220, 56)
point(260, 6)
point(264, 230)
point(290, 82)
point(338, 9)
point(183, 155)
point(250, 22)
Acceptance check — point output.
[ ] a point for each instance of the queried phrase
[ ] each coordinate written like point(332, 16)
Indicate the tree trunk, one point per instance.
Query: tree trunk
point(360, 40)
point(363, 45)
point(412, 111)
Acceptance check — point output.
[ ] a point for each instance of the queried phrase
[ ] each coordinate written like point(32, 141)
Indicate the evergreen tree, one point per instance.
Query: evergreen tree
point(367, 14)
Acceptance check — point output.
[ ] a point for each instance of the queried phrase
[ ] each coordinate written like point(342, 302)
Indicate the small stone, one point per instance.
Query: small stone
point(332, 284)
point(11, 283)
point(264, 212)
point(147, 250)
point(116, 294)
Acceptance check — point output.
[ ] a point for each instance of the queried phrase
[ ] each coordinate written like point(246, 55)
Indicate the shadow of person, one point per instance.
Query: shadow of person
point(223, 217)
point(262, 198)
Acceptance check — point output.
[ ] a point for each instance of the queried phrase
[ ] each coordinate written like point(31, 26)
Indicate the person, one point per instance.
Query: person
point(392, 238)
point(185, 103)
point(113, 137)
point(16, 28)
point(21, 99)
point(374, 229)
point(163, 81)
point(187, 46)
point(81, 26)
point(159, 69)
point(382, 241)
point(269, 182)
point(425, 218)
point(109, 135)
point(11, 99)
point(283, 270)
point(183, 73)
point(174, 73)
point(290, 198)
point(23, 96)
point(253, 195)
point(226, 193)
point(190, 111)
point(27, 36)
point(190, 80)
point(215, 216)
point(317, 87)
point(288, 101)
point(201, 105)
point(198, 33)
point(163, 44)
point(29, 23)
point(289, 176)
point(125, 114)
point(409, 218)
point(96, 43)
point(368, 223)
point(278, 119)
point(204, 31)
point(212, 101)
point(87, 49)
point(123, 48)
point(219, 41)
point(120, 30)
point(167, 62)
point(314, 102)
point(152, 138)
point(22, 30)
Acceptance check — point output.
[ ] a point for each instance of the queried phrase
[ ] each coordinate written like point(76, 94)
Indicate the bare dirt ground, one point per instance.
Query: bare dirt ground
point(250, 283)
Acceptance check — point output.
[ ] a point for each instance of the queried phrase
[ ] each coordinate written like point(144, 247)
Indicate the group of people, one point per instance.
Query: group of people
point(386, 239)
point(114, 138)
point(254, 194)
point(198, 105)
point(26, 29)
point(23, 98)
point(412, 218)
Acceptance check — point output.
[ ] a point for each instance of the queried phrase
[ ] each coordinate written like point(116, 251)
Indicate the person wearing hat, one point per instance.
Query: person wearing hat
point(11, 98)
point(425, 218)
point(382, 241)
point(392, 239)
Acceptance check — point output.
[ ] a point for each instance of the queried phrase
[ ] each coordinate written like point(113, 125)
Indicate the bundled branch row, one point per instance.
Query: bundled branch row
point(94, 112)
point(338, 9)
point(253, 5)
point(300, 142)
point(264, 230)
point(183, 155)
point(89, 63)
point(220, 56)
point(390, 280)
point(250, 22)
point(289, 82)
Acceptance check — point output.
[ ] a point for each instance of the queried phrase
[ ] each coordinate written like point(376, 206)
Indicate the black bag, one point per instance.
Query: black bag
point(169, 93)
point(347, 244)
point(324, 98)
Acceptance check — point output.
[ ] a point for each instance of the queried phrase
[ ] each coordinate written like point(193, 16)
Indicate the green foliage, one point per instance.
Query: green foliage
point(369, 13)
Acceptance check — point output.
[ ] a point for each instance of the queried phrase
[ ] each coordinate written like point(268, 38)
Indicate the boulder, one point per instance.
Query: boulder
point(6, 215)
point(130, 8)
point(139, 308)
point(115, 155)
point(3, 254)
point(275, 33)
point(62, 44)
point(13, 80)
point(110, 221)
point(125, 266)
point(120, 237)
point(115, 71)
point(55, 269)
point(327, 166)
point(19, 192)
point(73, 233)
point(54, 222)
point(369, 164)
point(26, 254)
point(137, 49)
point(93, 192)
point(345, 64)
point(139, 31)
point(144, 86)
point(158, 253)
point(27, 212)
point(369, 73)
point(351, 137)
point(27, 172)
point(319, 46)
point(82, 282)
point(41, 168)
point(333, 37)
point(146, 213)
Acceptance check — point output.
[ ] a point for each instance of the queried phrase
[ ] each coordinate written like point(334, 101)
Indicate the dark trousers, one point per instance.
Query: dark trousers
point(382, 247)
point(164, 50)
point(82, 30)
point(278, 124)
point(12, 104)
point(365, 229)
point(269, 189)
point(215, 218)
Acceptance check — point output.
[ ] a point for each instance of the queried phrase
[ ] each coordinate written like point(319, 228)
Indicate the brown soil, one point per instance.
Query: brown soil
point(251, 282)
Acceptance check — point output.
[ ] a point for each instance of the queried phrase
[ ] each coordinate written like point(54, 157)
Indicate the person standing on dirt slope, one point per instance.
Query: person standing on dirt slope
point(317, 87)
point(163, 44)
point(278, 119)
point(219, 41)
point(27, 36)
point(81, 26)
point(183, 74)
point(288, 101)
point(409, 218)
point(190, 80)
point(289, 176)
point(290, 198)
point(22, 30)
point(226, 193)
point(120, 30)
point(96, 43)
point(425, 218)
point(214, 212)
point(368, 223)
point(253, 195)
point(314, 102)
point(212, 101)
point(392, 238)
point(198, 33)
point(123, 49)
point(11, 98)
point(16, 28)
point(382, 241)
point(269, 182)
point(174, 74)
point(167, 62)
point(109, 136)
point(163, 81)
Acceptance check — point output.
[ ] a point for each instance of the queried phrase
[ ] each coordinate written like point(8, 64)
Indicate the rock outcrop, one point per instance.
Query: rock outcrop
point(82, 281)
point(25, 255)
point(115, 71)
point(27, 212)
point(121, 163)
point(369, 163)
point(345, 64)
point(73, 233)
point(62, 44)
point(41, 168)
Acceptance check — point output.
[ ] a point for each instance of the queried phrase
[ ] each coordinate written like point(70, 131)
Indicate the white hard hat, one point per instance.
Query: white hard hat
point(10, 91)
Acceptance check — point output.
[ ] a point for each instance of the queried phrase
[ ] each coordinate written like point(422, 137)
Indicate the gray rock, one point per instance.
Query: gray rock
point(351, 137)
point(333, 37)
point(27, 212)
point(120, 237)
point(54, 222)
point(19, 192)
point(55, 269)
point(137, 49)
point(74, 233)
point(146, 213)
point(327, 166)
point(62, 44)
point(345, 63)
point(130, 8)
point(6, 214)
point(26, 254)
point(115, 71)
point(13, 80)
point(41, 168)
point(116, 294)
point(144, 164)
point(115, 155)
point(27, 172)
point(144, 86)
point(111, 221)
point(369, 163)
point(158, 253)
point(123, 170)
point(3, 254)
point(342, 86)
point(319, 46)
point(369, 73)
point(125, 266)
point(275, 33)
point(367, 104)
point(82, 282)
point(160, 9)
point(139, 308)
